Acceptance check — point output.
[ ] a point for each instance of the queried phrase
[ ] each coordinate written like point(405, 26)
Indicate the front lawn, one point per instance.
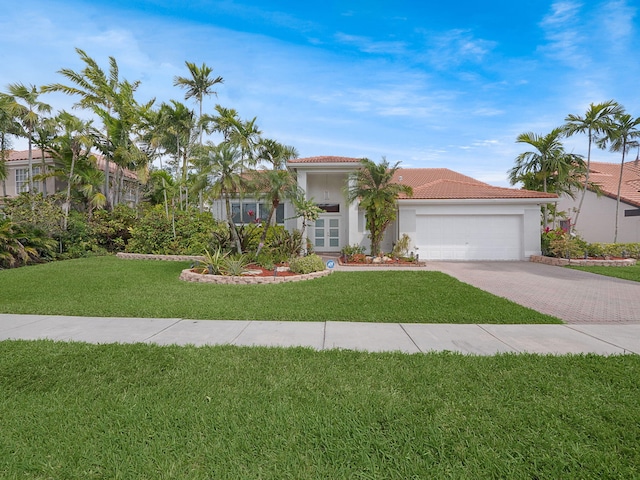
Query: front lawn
point(626, 273)
point(112, 287)
point(79, 411)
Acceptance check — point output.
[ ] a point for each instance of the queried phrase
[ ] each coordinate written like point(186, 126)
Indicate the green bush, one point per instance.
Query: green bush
point(350, 251)
point(194, 232)
point(308, 264)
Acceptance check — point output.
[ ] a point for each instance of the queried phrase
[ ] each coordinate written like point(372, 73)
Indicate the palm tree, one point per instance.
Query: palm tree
point(547, 163)
point(226, 170)
point(77, 139)
point(596, 122)
point(277, 183)
point(97, 92)
point(373, 185)
point(28, 114)
point(621, 138)
point(8, 126)
point(198, 86)
point(43, 135)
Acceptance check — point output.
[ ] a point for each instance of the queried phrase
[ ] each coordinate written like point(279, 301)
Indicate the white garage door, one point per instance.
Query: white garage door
point(469, 237)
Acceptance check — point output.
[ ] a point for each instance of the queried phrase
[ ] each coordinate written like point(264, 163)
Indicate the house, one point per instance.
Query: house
point(449, 217)
point(596, 222)
point(17, 180)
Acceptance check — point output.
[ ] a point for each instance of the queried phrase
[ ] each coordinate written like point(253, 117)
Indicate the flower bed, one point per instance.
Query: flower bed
point(264, 277)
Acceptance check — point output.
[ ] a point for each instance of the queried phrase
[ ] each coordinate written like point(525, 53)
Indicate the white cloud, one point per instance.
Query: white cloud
point(457, 47)
point(368, 45)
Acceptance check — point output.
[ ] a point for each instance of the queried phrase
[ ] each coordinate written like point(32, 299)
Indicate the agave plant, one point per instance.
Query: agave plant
point(235, 265)
point(213, 262)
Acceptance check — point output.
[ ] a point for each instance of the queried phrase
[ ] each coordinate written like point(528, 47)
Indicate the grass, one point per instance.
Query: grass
point(108, 286)
point(79, 411)
point(625, 273)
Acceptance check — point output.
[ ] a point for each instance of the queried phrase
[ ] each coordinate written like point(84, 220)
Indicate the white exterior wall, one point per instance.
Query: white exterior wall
point(596, 222)
point(516, 234)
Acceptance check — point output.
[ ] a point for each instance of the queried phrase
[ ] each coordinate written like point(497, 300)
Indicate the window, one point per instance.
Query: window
point(22, 179)
point(249, 212)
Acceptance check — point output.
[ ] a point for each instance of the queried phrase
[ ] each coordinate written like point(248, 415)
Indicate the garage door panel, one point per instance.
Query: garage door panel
point(469, 237)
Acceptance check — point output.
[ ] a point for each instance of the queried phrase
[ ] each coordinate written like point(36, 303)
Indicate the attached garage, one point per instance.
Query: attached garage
point(469, 237)
point(450, 216)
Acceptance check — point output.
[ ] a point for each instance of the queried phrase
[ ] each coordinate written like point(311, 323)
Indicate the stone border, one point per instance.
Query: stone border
point(581, 262)
point(189, 276)
point(150, 256)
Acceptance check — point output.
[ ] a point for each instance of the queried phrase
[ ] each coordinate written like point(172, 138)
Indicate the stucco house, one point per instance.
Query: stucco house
point(449, 217)
point(596, 222)
point(17, 180)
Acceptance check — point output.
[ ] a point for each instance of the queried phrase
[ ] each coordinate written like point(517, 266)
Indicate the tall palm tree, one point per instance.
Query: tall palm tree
point(77, 138)
point(372, 184)
point(596, 122)
point(226, 170)
point(622, 137)
point(198, 85)
point(28, 109)
point(548, 163)
point(43, 135)
point(97, 91)
point(9, 126)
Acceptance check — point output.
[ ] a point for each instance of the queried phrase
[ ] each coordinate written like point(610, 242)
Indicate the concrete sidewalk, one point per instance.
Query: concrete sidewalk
point(373, 337)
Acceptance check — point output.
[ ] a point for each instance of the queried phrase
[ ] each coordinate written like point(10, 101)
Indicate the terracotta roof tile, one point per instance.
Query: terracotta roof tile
point(36, 155)
point(325, 159)
point(607, 175)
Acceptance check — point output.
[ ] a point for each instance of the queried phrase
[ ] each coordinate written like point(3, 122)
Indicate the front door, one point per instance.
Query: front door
point(326, 236)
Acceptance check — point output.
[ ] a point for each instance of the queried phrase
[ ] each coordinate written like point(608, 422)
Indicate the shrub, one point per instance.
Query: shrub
point(308, 264)
point(349, 251)
point(401, 247)
point(283, 245)
point(194, 232)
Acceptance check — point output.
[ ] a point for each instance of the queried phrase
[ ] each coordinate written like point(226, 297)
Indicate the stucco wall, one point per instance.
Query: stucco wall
point(596, 222)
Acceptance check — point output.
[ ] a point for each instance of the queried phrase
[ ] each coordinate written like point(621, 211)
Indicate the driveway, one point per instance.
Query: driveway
point(571, 295)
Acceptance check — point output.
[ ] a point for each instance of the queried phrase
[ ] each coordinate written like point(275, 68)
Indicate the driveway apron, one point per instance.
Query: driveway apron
point(574, 296)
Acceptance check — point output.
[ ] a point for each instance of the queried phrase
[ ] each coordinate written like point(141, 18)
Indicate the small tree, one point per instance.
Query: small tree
point(378, 194)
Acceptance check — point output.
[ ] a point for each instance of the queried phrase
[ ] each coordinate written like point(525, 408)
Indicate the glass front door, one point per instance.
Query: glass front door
point(327, 234)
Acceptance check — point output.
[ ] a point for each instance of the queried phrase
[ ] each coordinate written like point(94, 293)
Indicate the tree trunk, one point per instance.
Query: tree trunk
point(263, 237)
point(586, 184)
point(232, 225)
point(615, 233)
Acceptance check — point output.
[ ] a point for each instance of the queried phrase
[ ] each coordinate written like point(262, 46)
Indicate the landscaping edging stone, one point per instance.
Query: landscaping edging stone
point(150, 256)
point(188, 276)
point(581, 262)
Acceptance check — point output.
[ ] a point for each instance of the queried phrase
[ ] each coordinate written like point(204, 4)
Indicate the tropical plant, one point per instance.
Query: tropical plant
point(308, 264)
point(622, 136)
point(277, 184)
point(373, 186)
point(28, 109)
point(547, 163)
point(213, 262)
point(596, 122)
point(235, 265)
point(226, 168)
point(307, 209)
point(402, 246)
point(198, 86)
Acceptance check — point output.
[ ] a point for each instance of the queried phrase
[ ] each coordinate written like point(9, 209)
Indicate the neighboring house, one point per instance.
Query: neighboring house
point(596, 222)
point(449, 217)
point(17, 180)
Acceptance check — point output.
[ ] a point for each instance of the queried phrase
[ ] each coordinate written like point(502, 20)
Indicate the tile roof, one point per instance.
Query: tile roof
point(445, 184)
point(607, 175)
point(439, 183)
point(326, 159)
point(36, 155)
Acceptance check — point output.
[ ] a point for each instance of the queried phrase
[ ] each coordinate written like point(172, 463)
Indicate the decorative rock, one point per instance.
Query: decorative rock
point(582, 262)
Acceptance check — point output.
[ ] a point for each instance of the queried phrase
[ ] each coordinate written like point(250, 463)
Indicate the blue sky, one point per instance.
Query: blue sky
point(430, 84)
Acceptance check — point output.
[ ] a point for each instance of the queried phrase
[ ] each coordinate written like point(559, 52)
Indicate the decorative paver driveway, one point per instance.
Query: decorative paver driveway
point(571, 295)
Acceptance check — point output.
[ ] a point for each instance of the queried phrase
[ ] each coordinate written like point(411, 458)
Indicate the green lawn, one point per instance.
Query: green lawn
point(108, 286)
point(79, 411)
point(626, 273)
